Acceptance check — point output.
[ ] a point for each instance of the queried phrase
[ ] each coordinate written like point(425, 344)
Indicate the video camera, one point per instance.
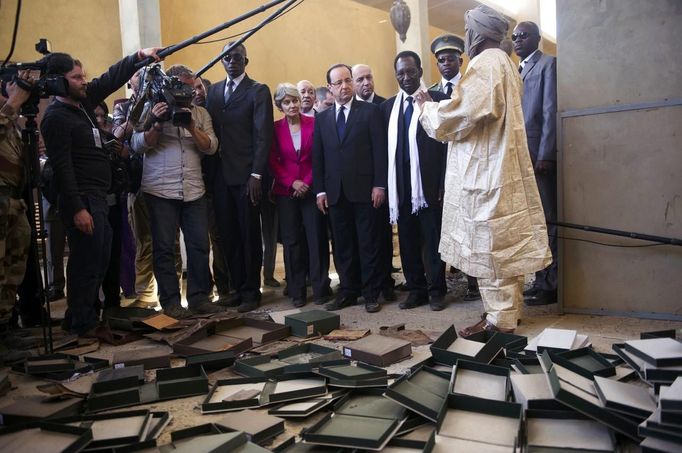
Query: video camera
point(172, 91)
point(44, 86)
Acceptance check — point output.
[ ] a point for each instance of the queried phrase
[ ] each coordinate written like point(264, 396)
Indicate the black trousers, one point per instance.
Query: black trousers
point(357, 248)
point(239, 227)
point(111, 285)
point(88, 261)
point(303, 229)
point(547, 279)
point(419, 235)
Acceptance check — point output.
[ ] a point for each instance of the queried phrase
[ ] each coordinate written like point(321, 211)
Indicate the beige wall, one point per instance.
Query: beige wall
point(620, 170)
point(95, 41)
point(300, 45)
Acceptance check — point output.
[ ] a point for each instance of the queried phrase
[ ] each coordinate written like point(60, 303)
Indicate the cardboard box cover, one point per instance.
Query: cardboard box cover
point(313, 322)
point(378, 350)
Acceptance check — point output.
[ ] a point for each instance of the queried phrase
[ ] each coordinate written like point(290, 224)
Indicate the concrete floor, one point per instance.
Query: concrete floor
point(602, 330)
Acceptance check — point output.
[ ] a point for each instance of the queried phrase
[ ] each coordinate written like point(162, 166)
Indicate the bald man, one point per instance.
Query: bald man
point(363, 83)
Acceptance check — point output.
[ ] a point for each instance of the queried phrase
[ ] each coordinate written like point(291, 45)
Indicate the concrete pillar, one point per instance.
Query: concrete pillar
point(140, 22)
point(418, 35)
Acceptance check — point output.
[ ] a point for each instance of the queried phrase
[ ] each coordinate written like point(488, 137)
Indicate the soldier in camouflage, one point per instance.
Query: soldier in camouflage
point(15, 232)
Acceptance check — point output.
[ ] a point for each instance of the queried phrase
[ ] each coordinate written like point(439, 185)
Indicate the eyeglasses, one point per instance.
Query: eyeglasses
point(521, 35)
point(338, 83)
point(237, 58)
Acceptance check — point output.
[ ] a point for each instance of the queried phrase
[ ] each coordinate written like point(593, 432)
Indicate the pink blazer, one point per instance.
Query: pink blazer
point(285, 166)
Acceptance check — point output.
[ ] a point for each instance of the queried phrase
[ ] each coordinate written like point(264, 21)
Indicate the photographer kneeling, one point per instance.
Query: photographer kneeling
point(174, 190)
point(82, 172)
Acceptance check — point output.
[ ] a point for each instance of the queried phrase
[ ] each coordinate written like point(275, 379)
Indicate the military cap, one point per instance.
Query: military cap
point(447, 42)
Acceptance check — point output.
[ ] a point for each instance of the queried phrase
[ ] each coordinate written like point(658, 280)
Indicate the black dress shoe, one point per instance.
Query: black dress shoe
point(389, 295)
point(298, 302)
point(247, 306)
point(541, 297)
point(233, 300)
point(413, 300)
point(437, 303)
point(341, 302)
point(372, 305)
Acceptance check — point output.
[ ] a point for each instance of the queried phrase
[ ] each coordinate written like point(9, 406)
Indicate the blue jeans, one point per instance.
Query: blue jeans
point(88, 261)
point(192, 218)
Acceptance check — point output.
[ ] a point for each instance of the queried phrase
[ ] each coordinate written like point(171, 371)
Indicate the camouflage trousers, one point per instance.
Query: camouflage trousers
point(15, 238)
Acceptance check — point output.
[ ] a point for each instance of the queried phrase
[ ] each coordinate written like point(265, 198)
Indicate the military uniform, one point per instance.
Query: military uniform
point(15, 232)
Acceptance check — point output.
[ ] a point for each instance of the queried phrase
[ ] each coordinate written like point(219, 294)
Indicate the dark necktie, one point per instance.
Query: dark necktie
point(341, 122)
point(409, 110)
point(229, 91)
point(448, 88)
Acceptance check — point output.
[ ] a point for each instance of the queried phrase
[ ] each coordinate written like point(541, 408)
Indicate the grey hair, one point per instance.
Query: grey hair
point(285, 89)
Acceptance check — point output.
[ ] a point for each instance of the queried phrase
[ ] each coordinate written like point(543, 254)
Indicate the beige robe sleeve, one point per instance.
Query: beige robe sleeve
point(479, 96)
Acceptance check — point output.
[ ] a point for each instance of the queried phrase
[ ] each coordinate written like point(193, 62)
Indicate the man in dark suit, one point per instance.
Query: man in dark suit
point(363, 83)
point(539, 104)
point(416, 175)
point(241, 110)
point(349, 179)
point(448, 52)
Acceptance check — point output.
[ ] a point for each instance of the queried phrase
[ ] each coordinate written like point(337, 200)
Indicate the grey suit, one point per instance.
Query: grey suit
point(539, 113)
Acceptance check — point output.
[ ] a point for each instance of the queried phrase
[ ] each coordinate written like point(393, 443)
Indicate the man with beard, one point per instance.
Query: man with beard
point(493, 223)
point(82, 171)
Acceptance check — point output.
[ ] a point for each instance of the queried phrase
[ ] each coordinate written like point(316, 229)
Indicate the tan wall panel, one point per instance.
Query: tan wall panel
point(620, 170)
point(623, 171)
point(87, 30)
point(618, 51)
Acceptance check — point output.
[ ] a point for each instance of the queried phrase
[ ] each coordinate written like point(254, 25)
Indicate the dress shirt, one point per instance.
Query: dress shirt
point(454, 81)
point(172, 168)
point(370, 100)
point(527, 59)
point(235, 83)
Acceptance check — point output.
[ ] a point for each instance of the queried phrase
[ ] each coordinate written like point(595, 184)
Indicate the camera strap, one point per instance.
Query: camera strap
point(95, 130)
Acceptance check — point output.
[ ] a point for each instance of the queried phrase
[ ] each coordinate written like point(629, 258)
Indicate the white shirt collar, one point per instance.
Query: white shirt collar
point(527, 59)
point(337, 106)
point(370, 100)
point(236, 81)
point(453, 81)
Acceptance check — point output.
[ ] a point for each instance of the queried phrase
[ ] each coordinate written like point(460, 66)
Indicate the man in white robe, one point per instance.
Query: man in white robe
point(493, 221)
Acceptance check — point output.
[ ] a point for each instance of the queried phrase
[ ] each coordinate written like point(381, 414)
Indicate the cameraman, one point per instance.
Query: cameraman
point(174, 191)
point(15, 232)
point(82, 171)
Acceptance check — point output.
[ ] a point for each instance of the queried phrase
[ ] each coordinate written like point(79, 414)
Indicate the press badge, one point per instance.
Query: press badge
point(96, 136)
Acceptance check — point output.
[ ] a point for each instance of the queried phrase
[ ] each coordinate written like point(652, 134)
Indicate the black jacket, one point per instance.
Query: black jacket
point(244, 128)
point(357, 162)
point(432, 153)
point(80, 167)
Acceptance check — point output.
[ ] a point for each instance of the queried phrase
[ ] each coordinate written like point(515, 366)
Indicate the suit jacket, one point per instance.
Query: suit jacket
point(540, 106)
point(378, 100)
point(285, 165)
point(436, 88)
point(354, 163)
point(243, 126)
point(432, 153)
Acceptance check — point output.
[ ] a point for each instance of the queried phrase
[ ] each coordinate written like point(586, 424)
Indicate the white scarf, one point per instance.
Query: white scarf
point(418, 199)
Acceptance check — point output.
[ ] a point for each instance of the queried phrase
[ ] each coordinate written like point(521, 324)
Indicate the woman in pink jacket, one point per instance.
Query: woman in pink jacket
point(303, 229)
